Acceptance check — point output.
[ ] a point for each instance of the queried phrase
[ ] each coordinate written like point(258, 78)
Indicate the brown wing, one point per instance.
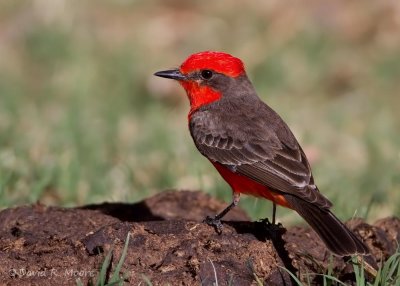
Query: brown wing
point(260, 147)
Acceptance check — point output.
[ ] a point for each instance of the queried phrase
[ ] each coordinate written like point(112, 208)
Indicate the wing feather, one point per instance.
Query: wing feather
point(271, 158)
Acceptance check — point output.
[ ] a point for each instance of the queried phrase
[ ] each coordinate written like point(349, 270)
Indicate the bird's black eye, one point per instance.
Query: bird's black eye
point(206, 74)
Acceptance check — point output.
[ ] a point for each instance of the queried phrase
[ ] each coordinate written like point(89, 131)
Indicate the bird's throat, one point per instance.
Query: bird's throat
point(199, 95)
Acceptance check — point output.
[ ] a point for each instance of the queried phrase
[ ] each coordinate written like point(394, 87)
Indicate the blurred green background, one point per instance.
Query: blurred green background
point(83, 120)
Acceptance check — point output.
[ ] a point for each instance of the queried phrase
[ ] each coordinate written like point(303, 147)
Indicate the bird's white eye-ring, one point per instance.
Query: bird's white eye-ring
point(206, 74)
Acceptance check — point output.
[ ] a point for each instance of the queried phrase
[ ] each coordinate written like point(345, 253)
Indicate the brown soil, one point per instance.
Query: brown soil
point(169, 245)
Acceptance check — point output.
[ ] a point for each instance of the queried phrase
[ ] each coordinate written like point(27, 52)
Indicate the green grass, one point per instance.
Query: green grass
point(82, 119)
point(115, 278)
point(388, 274)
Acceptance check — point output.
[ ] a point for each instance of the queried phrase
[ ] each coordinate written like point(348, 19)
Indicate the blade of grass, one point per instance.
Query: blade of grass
point(330, 270)
point(332, 278)
point(79, 282)
point(215, 272)
point(103, 271)
point(292, 275)
point(359, 271)
point(147, 280)
point(115, 277)
point(249, 264)
point(388, 270)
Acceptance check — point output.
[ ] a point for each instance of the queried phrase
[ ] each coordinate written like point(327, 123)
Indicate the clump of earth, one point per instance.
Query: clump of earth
point(170, 245)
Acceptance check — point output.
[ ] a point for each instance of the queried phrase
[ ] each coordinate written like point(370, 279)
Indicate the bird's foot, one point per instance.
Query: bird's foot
point(214, 222)
point(273, 229)
point(272, 224)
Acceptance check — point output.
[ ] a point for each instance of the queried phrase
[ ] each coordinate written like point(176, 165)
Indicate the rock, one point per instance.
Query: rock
point(169, 244)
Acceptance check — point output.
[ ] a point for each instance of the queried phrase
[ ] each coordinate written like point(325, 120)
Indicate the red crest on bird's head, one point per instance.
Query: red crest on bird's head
point(218, 61)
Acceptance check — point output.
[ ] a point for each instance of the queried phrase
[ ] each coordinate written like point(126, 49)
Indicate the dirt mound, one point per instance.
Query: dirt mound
point(169, 244)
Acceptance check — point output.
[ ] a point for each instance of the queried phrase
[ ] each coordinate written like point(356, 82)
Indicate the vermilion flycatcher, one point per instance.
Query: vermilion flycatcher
point(252, 147)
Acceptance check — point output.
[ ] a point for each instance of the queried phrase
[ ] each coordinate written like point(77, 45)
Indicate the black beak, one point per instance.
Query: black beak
point(174, 74)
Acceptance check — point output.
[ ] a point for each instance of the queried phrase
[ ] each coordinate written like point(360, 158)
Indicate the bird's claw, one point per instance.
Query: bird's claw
point(271, 224)
point(215, 222)
point(273, 229)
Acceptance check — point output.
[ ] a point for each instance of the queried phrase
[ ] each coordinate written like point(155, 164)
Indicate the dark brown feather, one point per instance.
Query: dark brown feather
point(336, 236)
point(244, 133)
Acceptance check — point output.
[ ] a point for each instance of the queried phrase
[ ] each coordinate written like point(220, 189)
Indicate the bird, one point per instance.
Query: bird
point(252, 148)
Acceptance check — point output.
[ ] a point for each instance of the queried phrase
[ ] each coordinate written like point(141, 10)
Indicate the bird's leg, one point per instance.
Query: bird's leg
point(273, 212)
point(216, 221)
point(273, 225)
point(273, 229)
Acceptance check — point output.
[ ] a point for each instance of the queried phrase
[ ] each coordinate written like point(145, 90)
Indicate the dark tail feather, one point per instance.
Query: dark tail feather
point(336, 236)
